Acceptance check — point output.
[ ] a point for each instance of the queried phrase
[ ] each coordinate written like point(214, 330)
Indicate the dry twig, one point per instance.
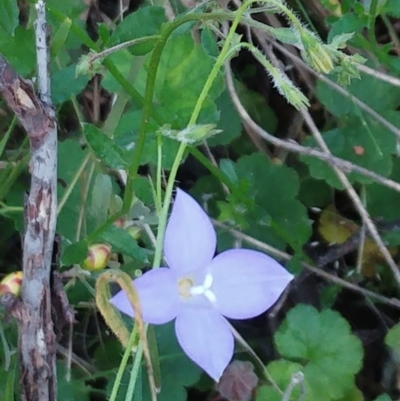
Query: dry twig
point(35, 325)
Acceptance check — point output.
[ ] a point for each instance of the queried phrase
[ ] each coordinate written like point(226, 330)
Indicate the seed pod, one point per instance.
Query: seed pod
point(11, 284)
point(98, 257)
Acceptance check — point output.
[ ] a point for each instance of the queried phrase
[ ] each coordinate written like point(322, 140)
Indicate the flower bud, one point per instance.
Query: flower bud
point(315, 53)
point(288, 90)
point(120, 222)
point(11, 284)
point(134, 231)
point(98, 257)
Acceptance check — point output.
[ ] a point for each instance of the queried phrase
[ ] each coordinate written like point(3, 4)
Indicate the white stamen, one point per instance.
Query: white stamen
point(210, 296)
point(204, 289)
point(208, 280)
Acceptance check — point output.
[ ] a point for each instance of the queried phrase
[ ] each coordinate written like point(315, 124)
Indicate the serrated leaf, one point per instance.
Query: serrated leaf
point(185, 64)
point(392, 338)
point(349, 22)
point(340, 41)
point(122, 242)
point(274, 188)
point(19, 47)
point(281, 372)
point(229, 121)
point(331, 355)
point(353, 395)
point(386, 96)
point(382, 202)
point(9, 16)
point(126, 135)
point(104, 148)
point(362, 144)
point(146, 21)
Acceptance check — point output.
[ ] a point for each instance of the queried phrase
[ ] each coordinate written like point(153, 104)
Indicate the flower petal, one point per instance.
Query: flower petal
point(158, 294)
point(206, 338)
point(190, 238)
point(246, 283)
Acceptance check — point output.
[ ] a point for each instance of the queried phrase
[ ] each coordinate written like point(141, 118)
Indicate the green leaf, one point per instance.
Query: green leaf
point(274, 189)
point(392, 338)
point(65, 84)
point(19, 47)
point(122, 242)
point(59, 38)
point(183, 70)
point(72, 172)
point(354, 394)
point(385, 97)
point(229, 121)
point(75, 253)
point(384, 397)
point(281, 372)
point(123, 59)
point(392, 8)
point(9, 387)
point(361, 142)
point(71, 390)
point(9, 16)
point(330, 354)
point(126, 134)
point(382, 202)
point(146, 21)
point(104, 148)
point(208, 41)
point(101, 197)
point(349, 23)
point(257, 107)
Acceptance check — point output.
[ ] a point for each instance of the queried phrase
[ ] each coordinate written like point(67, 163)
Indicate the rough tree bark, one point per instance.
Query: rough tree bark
point(34, 312)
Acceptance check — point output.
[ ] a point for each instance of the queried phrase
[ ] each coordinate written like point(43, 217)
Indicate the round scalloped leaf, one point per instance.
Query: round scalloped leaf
point(281, 373)
point(274, 188)
point(322, 341)
point(392, 338)
point(370, 148)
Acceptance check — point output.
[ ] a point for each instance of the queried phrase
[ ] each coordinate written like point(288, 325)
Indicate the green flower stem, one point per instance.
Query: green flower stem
point(123, 364)
point(193, 119)
point(159, 174)
point(288, 13)
point(134, 374)
point(124, 45)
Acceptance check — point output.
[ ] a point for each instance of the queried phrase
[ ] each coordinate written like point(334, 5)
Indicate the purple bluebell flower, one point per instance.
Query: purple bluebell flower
point(200, 291)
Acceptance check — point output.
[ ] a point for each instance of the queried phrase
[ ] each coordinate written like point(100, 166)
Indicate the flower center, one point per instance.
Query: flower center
point(184, 286)
point(187, 289)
